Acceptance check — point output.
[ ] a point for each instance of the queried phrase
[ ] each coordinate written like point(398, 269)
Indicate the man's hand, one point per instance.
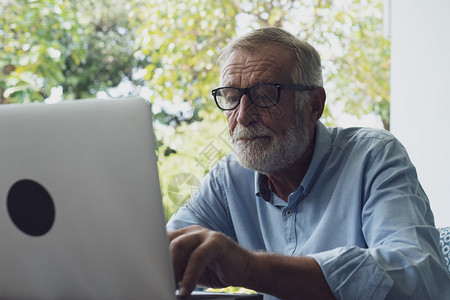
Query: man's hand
point(205, 257)
point(209, 258)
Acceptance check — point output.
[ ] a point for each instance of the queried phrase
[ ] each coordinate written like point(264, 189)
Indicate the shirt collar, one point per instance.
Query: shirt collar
point(261, 188)
point(322, 149)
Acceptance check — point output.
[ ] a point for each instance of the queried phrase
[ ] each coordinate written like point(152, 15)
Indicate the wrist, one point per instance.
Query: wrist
point(287, 277)
point(257, 271)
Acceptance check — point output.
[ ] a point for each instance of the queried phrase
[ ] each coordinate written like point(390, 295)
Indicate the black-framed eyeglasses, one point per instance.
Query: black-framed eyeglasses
point(262, 94)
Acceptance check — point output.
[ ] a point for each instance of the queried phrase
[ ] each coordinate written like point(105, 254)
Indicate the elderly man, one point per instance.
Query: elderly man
point(298, 210)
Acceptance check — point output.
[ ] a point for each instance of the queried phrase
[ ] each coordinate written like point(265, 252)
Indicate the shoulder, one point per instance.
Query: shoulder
point(365, 145)
point(369, 137)
point(354, 134)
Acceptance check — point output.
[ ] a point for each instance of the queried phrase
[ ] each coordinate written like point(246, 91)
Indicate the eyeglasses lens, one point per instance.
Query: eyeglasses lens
point(264, 95)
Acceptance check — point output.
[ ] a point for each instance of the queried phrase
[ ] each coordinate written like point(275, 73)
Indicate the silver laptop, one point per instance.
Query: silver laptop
point(81, 215)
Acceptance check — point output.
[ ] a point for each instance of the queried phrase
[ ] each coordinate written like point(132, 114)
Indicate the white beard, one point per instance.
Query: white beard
point(258, 148)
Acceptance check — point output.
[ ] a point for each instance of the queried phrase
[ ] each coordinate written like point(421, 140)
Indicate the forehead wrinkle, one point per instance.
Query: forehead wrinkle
point(252, 70)
point(244, 67)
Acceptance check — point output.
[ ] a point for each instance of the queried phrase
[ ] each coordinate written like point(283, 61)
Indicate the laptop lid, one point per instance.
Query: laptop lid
point(81, 214)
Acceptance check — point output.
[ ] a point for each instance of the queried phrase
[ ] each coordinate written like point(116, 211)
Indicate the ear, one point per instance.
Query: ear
point(318, 97)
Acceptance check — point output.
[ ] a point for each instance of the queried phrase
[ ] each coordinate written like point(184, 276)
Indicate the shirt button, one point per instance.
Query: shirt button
point(288, 212)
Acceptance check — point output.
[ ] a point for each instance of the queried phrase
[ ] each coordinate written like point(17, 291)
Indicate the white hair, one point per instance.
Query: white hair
point(306, 69)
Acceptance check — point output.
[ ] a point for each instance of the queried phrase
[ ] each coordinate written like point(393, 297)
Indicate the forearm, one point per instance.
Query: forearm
point(288, 277)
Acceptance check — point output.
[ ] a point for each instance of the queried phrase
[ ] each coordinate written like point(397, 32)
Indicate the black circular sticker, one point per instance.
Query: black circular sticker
point(31, 207)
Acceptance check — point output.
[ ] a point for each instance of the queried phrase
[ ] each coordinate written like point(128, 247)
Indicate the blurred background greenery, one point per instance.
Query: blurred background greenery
point(165, 51)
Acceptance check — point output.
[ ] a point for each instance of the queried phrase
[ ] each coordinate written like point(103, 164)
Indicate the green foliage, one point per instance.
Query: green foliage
point(84, 46)
point(109, 47)
point(36, 37)
point(361, 76)
point(182, 39)
point(199, 146)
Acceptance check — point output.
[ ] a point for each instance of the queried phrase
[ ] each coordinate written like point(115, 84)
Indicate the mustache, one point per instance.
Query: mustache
point(248, 132)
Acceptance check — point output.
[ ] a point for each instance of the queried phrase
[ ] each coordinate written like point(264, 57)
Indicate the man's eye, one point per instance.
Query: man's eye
point(232, 99)
point(262, 98)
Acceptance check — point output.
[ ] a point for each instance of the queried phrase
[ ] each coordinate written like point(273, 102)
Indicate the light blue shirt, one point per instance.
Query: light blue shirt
point(360, 212)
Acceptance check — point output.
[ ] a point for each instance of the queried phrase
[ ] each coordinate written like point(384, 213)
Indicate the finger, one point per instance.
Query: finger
point(198, 261)
point(182, 243)
point(181, 248)
point(176, 233)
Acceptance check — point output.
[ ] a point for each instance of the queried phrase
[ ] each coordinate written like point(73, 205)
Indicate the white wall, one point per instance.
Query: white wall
point(420, 93)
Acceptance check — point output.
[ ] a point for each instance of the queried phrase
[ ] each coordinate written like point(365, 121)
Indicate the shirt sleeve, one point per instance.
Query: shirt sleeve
point(402, 259)
point(207, 207)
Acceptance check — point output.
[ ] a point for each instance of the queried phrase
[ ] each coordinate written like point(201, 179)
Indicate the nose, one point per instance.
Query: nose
point(247, 113)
